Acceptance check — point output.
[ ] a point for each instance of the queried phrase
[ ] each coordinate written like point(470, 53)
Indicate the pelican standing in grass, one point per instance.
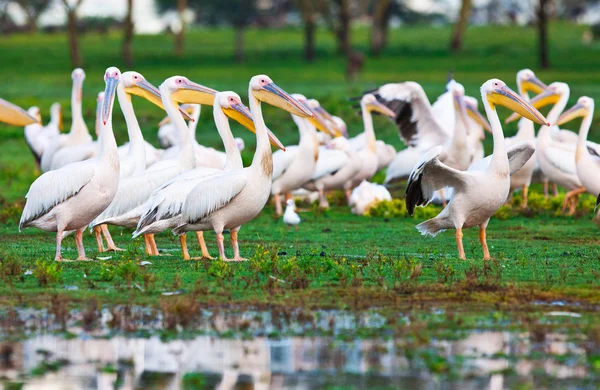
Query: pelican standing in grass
point(232, 198)
point(290, 217)
point(587, 164)
point(127, 206)
point(79, 133)
point(70, 197)
point(478, 194)
point(162, 211)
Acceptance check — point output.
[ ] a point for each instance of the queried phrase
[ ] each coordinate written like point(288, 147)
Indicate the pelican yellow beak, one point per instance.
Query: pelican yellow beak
point(325, 117)
point(275, 96)
point(194, 93)
point(474, 114)
point(381, 108)
point(578, 110)
point(318, 122)
point(508, 98)
point(241, 114)
point(149, 92)
point(534, 84)
point(12, 114)
point(541, 100)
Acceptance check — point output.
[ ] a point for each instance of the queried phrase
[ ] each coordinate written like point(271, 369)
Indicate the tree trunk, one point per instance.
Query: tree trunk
point(128, 35)
point(460, 26)
point(76, 60)
point(179, 35)
point(239, 43)
point(343, 32)
point(379, 28)
point(308, 15)
point(543, 33)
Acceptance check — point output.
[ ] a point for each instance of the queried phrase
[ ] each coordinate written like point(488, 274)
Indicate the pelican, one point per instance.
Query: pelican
point(233, 198)
point(367, 195)
point(290, 217)
point(587, 164)
point(296, 165)
point(336, 167)
point(34, 135)
point(78, 135)
point(70, 197)
point(167, 132)
point(162, 210)
point(477, 193)
point(126, 208)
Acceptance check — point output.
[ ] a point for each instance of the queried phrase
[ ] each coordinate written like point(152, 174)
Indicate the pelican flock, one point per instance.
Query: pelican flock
point(185, 186)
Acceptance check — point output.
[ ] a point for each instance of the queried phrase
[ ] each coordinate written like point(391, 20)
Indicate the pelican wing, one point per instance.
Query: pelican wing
point(283, 159)
point(330, 161)
point(212, 194)
point(561, 156)
point(73, 154)
point(428, 176)
point(414, 116)
point(55, 187)
point(518, 155)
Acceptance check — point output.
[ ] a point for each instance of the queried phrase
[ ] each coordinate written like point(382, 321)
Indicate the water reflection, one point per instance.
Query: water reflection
point(483, 360)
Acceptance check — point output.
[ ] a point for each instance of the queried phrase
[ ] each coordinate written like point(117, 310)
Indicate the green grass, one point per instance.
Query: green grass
point(336, 260)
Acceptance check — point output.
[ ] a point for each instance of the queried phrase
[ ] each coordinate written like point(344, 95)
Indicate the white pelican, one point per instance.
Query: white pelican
point(162, 210)
point(34, 135)
point(367, 195)
point(79, 133)
point(290, 217)
point(296, 165)
point(168, 135)
point(127, 206)
point(587, 164)
point(233, 198)
point(477, 193)
point(70, 197)
point(336, 167)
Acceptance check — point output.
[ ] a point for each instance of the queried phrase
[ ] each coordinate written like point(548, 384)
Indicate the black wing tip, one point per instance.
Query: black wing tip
point(597, 202)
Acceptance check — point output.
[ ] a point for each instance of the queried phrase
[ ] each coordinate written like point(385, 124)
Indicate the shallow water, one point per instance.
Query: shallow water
point(101, 358)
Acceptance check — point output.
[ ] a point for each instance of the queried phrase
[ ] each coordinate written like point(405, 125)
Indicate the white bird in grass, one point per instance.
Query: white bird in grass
point(54, 157)
point(367, 195)
point(478, 194)
point(70, 197)
point(134, 191)
point(162, 211)
point(587, 160)
point(290, 217)
point(232, 198)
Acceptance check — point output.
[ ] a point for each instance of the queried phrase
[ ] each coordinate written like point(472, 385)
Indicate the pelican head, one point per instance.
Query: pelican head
point(78, 75)
point(316, 120)
point(290, 203)
point(324, 117)
point(35, 113)
point(583, 108)
point(551, 95)
point(529, 82)
point(56, 115)
point(134, 83)
point(111, 78)
point(265, 90)
point(340, 124)
point(370, 103)
point(498, 93)
point(231, 104)
point(14, 115)
point(183, 90)
point(472, 111)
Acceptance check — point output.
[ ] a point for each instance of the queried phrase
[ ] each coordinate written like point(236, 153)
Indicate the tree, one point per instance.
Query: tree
point(379, 27)
point(128, 35)
point(460, 26)
point(180, 6)
point(542, 25)
point(71, 6)
point(32, 9)
point(309, 16)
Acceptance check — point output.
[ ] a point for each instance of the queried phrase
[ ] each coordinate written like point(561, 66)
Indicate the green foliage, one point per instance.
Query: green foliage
point(128, 271)
point(47, 272)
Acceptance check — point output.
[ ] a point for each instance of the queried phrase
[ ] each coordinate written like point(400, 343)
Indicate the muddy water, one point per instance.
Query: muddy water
point(100, 359)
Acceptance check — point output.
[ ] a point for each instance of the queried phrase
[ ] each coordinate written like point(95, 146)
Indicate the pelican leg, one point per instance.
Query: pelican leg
point(79, 243)
point(443, 198)
point(184, 248)
point(555, 189)
point(278, 208)
point(348, 192)
point(459, 243)
point(59, 237)
point(546, 189)
point(203, 248)
point(323, 202)
point(109, 240)
point(153, 244)
point(147, 243)
point(571, 199)
point(235, 245)
point(525, 192)
point(483, 241)
point(221, 246)
point(98, 234)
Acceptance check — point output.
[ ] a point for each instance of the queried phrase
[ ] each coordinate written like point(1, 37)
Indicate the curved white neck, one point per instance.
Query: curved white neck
point(460, 130)
point(584, 129)
point(233, 158)
point(262, 155)
point(558, 108)
point(136, 139)
point(525, 128)
point(369, 132)
point(78, 125)
point(108, 144)
point(193, 125)
point(186, 148)
point(499, 158)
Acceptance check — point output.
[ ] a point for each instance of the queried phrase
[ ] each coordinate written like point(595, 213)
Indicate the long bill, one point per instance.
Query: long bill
point(277, 97)
point(578, 110)
point(508, 98)
point(149, 92)
point(12, 114)
point(192, 92)
point(109, 96)
point(541, 100)
point(474, 114)
point(534, 84)
point(241, 114)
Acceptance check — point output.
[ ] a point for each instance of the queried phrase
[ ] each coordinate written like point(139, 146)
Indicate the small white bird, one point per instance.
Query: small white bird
point(290, 217)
